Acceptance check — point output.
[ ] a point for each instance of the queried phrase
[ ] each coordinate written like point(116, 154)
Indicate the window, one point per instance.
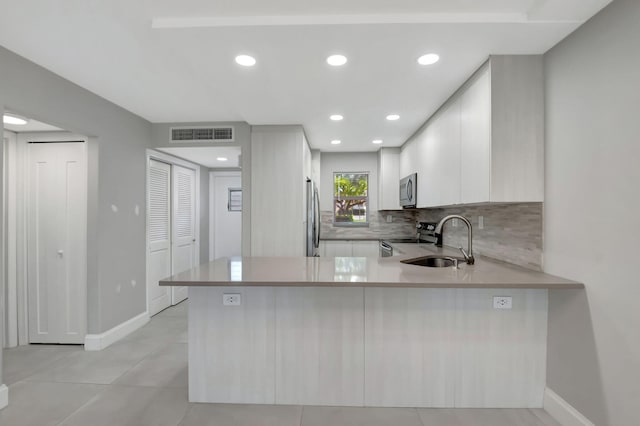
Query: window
point(350, 198)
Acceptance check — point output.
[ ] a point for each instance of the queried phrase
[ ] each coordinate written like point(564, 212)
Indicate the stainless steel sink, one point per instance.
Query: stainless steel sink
point(433, 261)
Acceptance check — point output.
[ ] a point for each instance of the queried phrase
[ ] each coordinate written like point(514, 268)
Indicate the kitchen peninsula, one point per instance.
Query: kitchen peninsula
point(370, 331)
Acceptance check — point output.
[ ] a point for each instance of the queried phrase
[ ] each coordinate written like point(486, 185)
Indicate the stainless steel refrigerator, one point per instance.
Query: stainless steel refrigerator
point(313, 219)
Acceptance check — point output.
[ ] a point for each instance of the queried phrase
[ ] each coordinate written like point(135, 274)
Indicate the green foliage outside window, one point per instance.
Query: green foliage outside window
point(351, 197)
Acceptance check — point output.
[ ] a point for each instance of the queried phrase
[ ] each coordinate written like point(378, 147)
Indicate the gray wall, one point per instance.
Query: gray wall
point(592, 206)
point(116, 246)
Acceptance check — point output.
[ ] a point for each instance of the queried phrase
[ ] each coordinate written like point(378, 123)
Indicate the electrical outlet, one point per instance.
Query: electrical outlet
point(231, 299)
point(389, 218)
point(480, 222)
point(502, 302)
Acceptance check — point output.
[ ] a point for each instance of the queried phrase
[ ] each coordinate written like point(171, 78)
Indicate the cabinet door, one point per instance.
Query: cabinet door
point(425, 156)
point(439, 153)
point(388, 178)
point(365, 248)
point(409, 158)
point(476, 140)
point(319, 351)
point(336, 248)
point(448, 155)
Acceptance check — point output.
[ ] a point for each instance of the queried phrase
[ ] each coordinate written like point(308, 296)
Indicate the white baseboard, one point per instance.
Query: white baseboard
point(97, 342)
point(562, 411)
point(4, 396)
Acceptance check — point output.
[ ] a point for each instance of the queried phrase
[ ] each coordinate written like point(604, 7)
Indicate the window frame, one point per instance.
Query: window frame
point(366, 198)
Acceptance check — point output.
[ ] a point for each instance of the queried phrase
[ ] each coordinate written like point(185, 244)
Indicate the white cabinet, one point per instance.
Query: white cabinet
point(389, 179)
point(280, 164)
point(349, 248)
point(337, 248)
point(475, 160)
point(365, 248)
point(503, 132)
point(486, 144)
point(439, 174)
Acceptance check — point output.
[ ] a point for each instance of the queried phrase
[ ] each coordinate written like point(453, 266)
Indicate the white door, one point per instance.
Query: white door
point(56, 230)
point(159, 231)
point(226, 225)
point(184, 228)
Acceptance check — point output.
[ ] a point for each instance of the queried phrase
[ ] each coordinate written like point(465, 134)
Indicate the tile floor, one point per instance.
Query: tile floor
point(142, 380)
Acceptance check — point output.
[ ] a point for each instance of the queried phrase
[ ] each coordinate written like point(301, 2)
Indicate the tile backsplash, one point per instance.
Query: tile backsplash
point(512, 232)
point(403, 225)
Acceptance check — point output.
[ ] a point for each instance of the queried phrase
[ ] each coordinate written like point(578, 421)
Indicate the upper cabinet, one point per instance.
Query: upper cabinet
point(485, 144)
point(388, 179)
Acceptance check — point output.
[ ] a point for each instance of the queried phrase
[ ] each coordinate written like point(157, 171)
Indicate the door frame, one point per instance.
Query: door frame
point(152, 154)
point(212, 176)
point(17, 328)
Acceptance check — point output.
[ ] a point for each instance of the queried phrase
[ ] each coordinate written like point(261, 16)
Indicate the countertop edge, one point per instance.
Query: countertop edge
point(531, 286)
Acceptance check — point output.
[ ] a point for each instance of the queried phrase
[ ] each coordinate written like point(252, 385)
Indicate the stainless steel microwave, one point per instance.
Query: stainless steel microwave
point(408, 191)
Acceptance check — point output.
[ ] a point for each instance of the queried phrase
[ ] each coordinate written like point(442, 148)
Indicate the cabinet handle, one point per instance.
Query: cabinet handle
point(60, 253)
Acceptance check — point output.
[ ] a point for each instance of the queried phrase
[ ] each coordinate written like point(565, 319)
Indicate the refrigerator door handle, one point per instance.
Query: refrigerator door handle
point(316, 200)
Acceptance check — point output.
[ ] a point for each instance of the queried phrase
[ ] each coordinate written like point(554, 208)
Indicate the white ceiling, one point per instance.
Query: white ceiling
point(183, 69)
point(207, 156)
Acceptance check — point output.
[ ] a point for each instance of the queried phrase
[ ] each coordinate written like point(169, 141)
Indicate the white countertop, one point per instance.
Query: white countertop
point(365, 272)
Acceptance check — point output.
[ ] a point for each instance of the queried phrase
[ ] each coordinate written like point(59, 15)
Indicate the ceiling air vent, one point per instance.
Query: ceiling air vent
point(201, 134)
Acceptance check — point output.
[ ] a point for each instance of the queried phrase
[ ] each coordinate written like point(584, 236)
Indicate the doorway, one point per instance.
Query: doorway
point(172, 226)
point(225, 214)
point(46, 223)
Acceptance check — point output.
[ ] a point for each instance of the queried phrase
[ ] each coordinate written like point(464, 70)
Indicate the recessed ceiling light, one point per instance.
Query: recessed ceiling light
point(428, 59)
point(393, 117)
point(10, 119)
point(336, 142)
point(337, 60)
point(222, 158)
point(377, 141)
point(336, 117)
point(245, 60)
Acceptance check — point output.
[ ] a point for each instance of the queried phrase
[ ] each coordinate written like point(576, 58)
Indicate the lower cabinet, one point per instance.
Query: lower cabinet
point(450, 348)
point(348, 248)
point(315, 365)
point(355, 346)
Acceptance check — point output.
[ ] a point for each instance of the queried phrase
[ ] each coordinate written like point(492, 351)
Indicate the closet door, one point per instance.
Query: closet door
point(56, 228)
point(159, 231)
point(184, 230)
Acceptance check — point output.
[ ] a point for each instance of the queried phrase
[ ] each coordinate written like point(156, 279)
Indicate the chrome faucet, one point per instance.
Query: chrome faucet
point(468, 255)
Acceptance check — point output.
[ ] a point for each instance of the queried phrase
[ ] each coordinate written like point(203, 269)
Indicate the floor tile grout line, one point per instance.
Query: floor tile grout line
point(190, 406)
point(419, 417)
point(62, 354)
point(131, 368)
point(86, 403)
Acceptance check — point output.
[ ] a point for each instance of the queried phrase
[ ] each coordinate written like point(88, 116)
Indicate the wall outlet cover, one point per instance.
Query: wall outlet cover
point(502, 302)
point(231, 299)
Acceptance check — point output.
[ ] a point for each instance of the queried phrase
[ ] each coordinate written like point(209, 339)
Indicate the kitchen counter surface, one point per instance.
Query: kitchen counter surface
point(366, 272)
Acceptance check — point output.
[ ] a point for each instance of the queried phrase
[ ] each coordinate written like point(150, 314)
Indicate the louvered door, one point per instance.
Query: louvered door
point(159, 231)
point(184, 230)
